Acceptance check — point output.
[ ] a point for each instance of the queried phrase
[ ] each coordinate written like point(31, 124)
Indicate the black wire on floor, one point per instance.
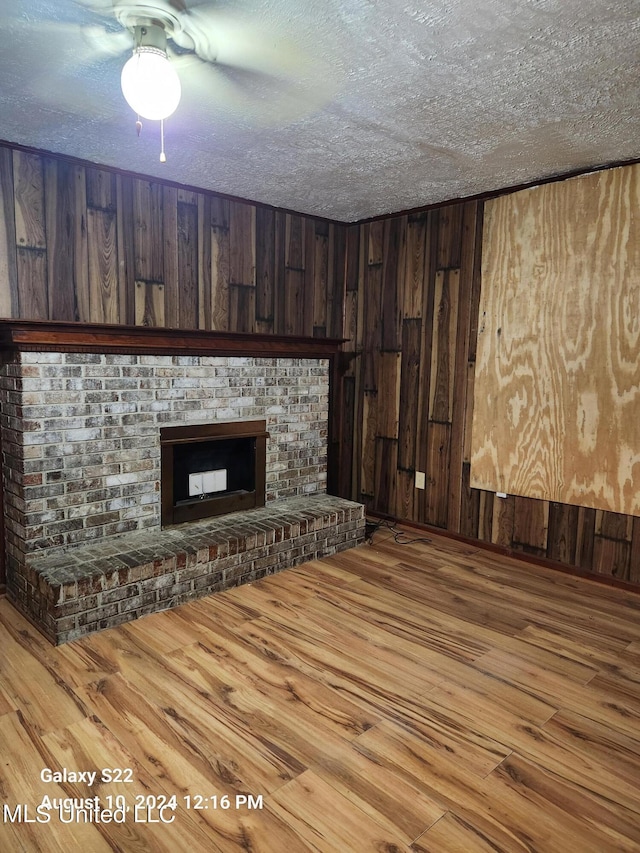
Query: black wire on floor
point(400, 537)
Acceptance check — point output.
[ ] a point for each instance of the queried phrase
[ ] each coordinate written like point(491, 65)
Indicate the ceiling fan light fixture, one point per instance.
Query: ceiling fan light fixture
point(150, 84)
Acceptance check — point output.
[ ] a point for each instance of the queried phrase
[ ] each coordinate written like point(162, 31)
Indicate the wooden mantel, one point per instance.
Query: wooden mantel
point(52, 336)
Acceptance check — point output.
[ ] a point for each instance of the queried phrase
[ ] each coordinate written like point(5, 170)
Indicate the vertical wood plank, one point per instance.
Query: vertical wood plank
point(60, 219)
point(220, 253)
point(242, 308)
point(503, 519)
point(242, 246)
point(345, 448)
point(9, 299)
point(585, 537)
point(28, 182)
point(170, 271)
point(392, 284)
point(611, 557)
point(409, 379)
point(265, 268)
point(336, 283)
point(386, 474)
point(449, 220)
point(368, 454)
point(443, 355)
point(149, 239)
point(204, 260)
point(389, 367)
point(187, 229)
point(414, 271)
point(562, 537)
point(405, 495)
point(101, 190)
point(372, 332)
point(149, 304)
point(125, 226)
point(320, 278)
point(103, 266)
point(531, 524)
point(437, 470)
point(32, 278)
point(80, 243)
point(469, 506)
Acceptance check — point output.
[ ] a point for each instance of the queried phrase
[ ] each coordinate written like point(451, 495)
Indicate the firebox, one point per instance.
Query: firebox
point(212, 469)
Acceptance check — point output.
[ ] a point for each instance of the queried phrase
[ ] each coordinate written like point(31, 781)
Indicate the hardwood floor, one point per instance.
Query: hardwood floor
point(393, 698)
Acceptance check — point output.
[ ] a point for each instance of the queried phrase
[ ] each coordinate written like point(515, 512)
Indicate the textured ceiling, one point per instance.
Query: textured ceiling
point(339, 108)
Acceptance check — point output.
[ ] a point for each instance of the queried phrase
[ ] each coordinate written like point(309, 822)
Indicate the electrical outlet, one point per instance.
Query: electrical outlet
point(420, 480)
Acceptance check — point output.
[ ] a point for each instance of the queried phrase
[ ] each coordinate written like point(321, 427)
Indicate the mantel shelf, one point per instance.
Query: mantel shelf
point(52, 336)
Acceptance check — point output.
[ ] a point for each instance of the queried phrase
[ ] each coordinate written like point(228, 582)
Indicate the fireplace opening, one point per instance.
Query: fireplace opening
point(212, 469)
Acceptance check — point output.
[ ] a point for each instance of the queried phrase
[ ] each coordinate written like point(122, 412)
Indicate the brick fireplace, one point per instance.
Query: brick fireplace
point(84, 415)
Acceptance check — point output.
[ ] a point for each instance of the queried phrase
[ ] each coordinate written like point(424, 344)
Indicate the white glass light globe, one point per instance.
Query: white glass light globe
point(150, 84)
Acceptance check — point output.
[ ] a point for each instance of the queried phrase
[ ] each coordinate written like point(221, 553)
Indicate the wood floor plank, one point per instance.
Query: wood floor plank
point(505, 809)
point(420, 697)
point(21, 785)
point(322, 818)
point(89, 744)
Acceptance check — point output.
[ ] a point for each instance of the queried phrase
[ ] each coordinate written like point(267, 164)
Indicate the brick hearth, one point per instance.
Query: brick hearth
point(82, 410)
point(92, 587)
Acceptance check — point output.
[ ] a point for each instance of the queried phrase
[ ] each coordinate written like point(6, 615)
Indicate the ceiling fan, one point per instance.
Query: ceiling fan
point(209, 47)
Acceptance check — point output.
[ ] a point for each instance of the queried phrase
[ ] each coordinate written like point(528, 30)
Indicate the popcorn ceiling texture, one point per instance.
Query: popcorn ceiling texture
point(364, 108)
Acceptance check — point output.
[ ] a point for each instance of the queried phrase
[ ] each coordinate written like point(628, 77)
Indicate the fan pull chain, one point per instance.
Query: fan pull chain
point(138, 126)
point(163, 156)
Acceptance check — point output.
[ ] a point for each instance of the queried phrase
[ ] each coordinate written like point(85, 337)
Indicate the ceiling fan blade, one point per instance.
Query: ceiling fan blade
point(244, 94)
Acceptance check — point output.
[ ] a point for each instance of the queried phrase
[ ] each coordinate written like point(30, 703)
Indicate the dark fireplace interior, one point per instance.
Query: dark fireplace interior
point(212, 469)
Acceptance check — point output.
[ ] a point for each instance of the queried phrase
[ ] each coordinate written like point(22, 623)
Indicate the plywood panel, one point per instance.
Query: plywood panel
point(558, 362)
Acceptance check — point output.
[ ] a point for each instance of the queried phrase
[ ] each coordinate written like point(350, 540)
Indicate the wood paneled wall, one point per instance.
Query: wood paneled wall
point(85, 244)
point(411, 311)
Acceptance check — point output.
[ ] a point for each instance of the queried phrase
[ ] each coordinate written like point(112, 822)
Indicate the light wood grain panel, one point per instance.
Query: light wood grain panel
point(149, 308)
point(559, 343)
point(103, 266)
point(188, 257)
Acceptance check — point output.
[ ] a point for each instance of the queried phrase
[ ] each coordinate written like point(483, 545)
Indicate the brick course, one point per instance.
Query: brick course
point(81, 468)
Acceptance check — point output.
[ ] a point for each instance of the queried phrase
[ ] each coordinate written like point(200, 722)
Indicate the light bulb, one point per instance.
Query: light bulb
point(150, 84)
